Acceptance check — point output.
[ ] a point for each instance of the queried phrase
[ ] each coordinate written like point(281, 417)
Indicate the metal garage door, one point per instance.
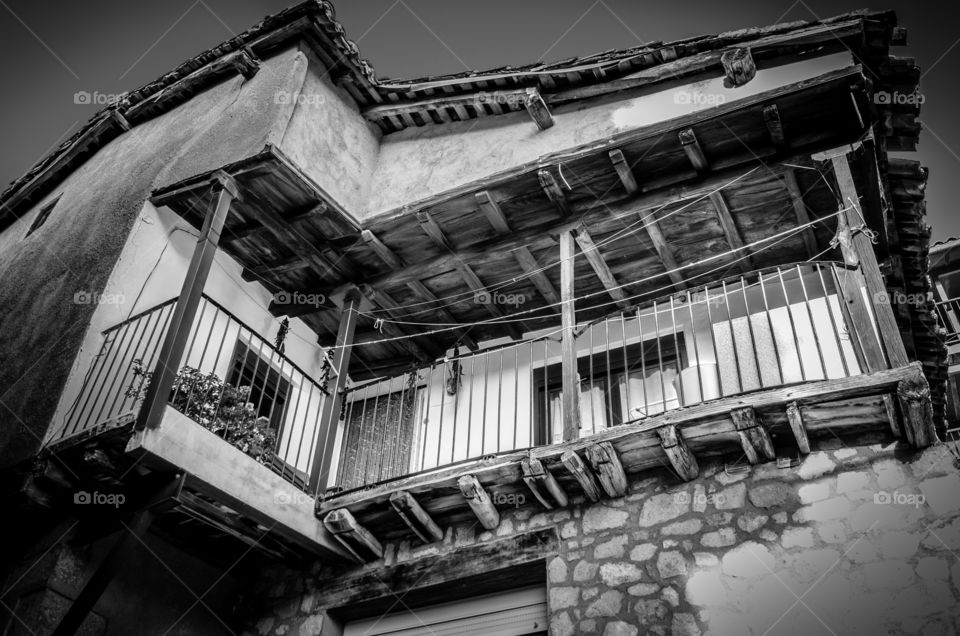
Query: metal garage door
point(515, 613)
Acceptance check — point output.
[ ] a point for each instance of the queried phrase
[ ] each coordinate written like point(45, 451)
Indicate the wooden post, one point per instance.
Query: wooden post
point(479, 501)
point(738, 67)
point(570, 390)
point(175, 341)
point(330, 415)
point(876, 287)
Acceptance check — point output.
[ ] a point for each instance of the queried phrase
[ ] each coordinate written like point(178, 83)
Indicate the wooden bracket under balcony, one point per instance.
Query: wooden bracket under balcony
point(607, 467)
point(795, 419)
point(357, 540)
point(583, 475)
point(543, 485)
point(479, 501)
point(679, 454)
point(754, 437)
point(418, 519)
point(537, 108)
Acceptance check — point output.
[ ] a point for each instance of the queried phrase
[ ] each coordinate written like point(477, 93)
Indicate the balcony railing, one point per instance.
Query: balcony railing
point(948, 311)
point(230, 380)
point(767, 329)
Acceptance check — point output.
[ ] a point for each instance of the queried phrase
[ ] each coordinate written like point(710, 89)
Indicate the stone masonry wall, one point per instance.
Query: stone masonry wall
point(859, 539)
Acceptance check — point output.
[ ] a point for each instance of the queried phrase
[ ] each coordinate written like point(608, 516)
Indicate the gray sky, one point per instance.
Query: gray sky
point(53, 49)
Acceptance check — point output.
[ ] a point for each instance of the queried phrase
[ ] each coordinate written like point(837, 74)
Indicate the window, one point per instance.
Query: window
point(616, 386)
point(42, 217)
point(269, 389)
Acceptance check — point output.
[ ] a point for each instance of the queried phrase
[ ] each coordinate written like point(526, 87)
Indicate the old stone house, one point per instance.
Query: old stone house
point(640, 342)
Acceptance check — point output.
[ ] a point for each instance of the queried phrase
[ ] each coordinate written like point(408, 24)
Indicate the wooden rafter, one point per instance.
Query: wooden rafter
point(415, 346)
point(600, 267)
point(795, 419)
point(525, 258)
point(754, 437)
point(543, 485)
point(679, 454)
point(800, 209)
point(554, 192)
point(606, 465)
point(416, 518)
point(624, 172)
point(730, 231)
point(253, 228)
point(393, 261)
point(359, 541)
point(432, 229)
point(691, 146)
point(479, 501)
point(579, 471)
point(771, 119)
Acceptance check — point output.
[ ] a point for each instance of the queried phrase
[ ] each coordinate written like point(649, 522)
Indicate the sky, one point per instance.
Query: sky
point(57, 50)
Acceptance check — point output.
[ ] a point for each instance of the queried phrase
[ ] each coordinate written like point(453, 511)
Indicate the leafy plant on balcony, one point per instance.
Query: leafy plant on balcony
point(221, 408)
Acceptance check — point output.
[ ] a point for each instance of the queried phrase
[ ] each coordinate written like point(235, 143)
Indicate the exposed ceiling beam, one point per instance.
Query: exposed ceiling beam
point(417, 346)
point(771, 118)
point(652, 226)
point(624, 172)
point(432, 229)
point(691, 146)
point(525, 258)
point(789, 178)
point(600, 267)
point(553, 191)
point(730, 231)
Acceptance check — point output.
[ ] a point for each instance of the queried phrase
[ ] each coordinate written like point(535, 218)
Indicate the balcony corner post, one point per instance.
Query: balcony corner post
point(570, 390)
point(329, 415)
point(175, 341)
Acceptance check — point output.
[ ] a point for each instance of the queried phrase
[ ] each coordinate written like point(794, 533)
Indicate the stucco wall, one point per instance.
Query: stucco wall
point(42, 327)
point(865, 535)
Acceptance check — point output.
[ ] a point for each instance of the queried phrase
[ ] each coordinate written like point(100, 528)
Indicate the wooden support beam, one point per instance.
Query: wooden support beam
point(525, 258)
point(624, 172)
point(543, 485)
point(916, 407)
point(283, 231)
point(800, 209)
point(294, 217)
point(417, 346)
point(754, 438)
point(330, 410)
point(738, 67)
point(681, 458)
point(795, 418)
point(691, 146)
point(580, 472)
point(553, 191)
point(570, 393)
point(479, 501)
point(416, 518)
point(537, 108)
point(357, 540)
point(393, 261)
point(771, 118)
point(600, 267)
point(606, 466)
point(730, 231)
point(432, 229)
point(663, 250)
point(859, 320)
point(439, 237)
point(876, 287)
point(180, 324)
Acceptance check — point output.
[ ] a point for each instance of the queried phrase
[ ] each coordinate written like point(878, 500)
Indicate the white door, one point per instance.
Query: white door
point(514, 613)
